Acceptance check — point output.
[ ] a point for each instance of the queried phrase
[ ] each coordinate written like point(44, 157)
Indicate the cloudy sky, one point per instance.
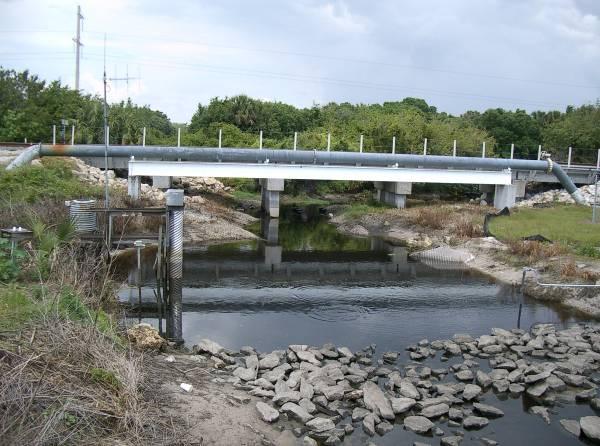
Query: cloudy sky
point(457, 54)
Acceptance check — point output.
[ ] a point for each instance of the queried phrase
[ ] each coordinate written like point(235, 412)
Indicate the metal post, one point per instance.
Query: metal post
point(178, 136)
point(54, 135)
point(595, 197)
point(539, 152)
point(361, 143)
point(144, 137)
point(328, 142)
point(260, 140)
point(393, 145)
point(175, 206)
point(72, 135)
point(454, 149)
point(220, 137)
point(107, 136)
point(512, 151)
point(483, 150)
point(569, 159)
point(425, 147)
point(598, 160)
point(295, 140)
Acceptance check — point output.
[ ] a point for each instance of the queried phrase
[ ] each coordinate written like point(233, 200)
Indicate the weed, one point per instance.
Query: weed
point(534, 251)
point(105, 377)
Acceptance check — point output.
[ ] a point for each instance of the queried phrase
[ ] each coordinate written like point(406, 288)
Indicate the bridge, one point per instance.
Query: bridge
point(392, 174)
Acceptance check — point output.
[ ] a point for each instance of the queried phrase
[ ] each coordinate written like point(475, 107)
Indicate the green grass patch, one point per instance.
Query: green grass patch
point(16, 308)
point(357, 210)
point(244, 195)
point(570, 225)
point(53, 180)
point(105, 378)
point(303, 200)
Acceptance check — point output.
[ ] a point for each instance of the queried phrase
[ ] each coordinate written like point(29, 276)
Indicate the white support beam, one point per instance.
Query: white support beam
point(315, 172)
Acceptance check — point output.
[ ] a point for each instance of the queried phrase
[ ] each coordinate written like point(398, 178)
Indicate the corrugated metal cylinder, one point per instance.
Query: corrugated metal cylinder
point(82, 217)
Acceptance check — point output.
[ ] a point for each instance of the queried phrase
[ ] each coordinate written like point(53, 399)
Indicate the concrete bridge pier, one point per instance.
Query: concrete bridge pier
point(393, 193)
point(505, 195)
point(270, 188)
point(134, 186)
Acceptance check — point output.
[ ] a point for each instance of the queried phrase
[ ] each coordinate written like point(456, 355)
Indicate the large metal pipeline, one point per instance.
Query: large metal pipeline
point(286, 156)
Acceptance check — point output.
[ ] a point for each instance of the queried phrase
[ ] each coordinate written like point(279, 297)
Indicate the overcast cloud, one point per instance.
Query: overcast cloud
point(458, 55)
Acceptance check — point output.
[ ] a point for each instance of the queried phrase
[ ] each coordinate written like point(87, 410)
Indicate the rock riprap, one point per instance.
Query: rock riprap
point(333, 391)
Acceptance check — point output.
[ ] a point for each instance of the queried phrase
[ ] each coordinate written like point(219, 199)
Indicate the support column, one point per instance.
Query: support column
point(270, 188)
point(175, 205)
point(162, 182)
point(134, 187)
point(520, 186)
point(505, 196)
point(393, 193)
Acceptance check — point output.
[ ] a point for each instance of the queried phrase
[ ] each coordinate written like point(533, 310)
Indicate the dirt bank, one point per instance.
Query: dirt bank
point(490, 256)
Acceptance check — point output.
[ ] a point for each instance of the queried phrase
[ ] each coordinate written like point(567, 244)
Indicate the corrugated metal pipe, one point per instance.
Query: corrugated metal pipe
point(25, 157)
point(243, 155)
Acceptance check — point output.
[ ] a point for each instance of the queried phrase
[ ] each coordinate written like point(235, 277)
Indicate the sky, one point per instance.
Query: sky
point(458, 55)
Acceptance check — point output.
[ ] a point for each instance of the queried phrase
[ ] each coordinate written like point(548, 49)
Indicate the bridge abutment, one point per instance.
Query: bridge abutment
point(505, 196)
point(270, 189)
point(393, 193)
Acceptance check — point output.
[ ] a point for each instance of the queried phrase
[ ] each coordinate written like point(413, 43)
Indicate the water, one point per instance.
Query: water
point(308, 284)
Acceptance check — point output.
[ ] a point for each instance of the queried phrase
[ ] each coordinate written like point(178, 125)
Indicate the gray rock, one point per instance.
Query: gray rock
point(464, 375)
point(286, 438)
point(305, 355)
point(267, 413)
point(498, 374)
point(516, 388)
point(487, 410)
point(333, 393)
point(585, 395)
point(595, 403)
point(384, 427)
point(541, 411)
point(286, 397)
point(501, 385)
point(408, 390)
point(590, 426)
point(390, 357)
point(471, 391)
point(208, 346)
point(245, 374)
point(435, 411)
point(473, 422)
point(376, 401)
point(571, 379)
point(483, 379)
point(401, 405)
point(270, 361)
point(297, 412)
point(359, 413)
point(332, 440)
point(320, 424)
point(418, 424)
point(306, 389)
point(262, 393)
point(345, 351)
point(451, 441)
point(455, 414)
point(368, 424)
point(307, 405)
point(538, 389)
point(571, 426)
point(307, 441)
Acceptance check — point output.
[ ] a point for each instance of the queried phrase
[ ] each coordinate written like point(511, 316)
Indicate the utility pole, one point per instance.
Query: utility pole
point(106, 192)
point(78, 46)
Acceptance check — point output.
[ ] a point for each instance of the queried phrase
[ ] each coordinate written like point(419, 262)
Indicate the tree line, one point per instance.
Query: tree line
point(29, 106)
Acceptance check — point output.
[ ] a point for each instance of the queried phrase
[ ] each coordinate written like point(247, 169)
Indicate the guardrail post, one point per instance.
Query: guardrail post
point(54, 135)
point(178, 136)
point(260, 140)
point(539, 152)
point(295, 140)
point(512, 151)
point(72, 135)
point(569, 159)
point(483, 150)
point(454, 149)
point(425, 147)
point(393, 145)
point(598, 160)
point(328, 142)
point(144, 137)
point(220, 137)
point(361, 143)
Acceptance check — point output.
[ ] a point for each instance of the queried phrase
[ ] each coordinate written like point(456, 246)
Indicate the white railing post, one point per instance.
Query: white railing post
point(512, 151)
point(454, 149)
point(220, 137)
point(539, 152)
point(295, 140)
point(144, 137)
point(54, 135)
point(72, 135)
point(260, 140)
point(107, 136)
point(598, 160)
point(361, 143)
point(425, 147)
point(178, 136)
point(569, 158)
point(328, 142)
point(483, 150)
point(393, 145)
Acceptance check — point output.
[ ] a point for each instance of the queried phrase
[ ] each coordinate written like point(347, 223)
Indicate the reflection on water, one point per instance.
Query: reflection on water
point(306, 283)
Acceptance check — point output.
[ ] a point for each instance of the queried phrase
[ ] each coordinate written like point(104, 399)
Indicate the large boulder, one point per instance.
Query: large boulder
point(146, 337)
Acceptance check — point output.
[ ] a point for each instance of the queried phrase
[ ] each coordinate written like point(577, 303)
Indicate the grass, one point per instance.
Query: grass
point(570, 225)
point(244, 195)
point(357, 210)
point(303, 200)
point(459, 221)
